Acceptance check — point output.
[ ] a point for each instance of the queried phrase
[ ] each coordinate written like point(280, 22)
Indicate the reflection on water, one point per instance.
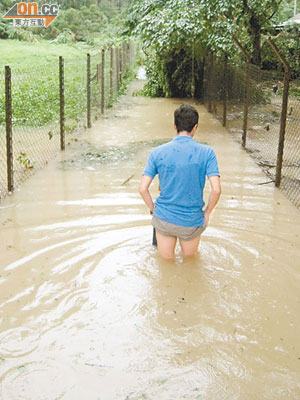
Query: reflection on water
point(88, 309)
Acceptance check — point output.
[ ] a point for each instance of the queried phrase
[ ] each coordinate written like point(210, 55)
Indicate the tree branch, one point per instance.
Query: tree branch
point(272, 15)
point(246, 6)
point(242, 48)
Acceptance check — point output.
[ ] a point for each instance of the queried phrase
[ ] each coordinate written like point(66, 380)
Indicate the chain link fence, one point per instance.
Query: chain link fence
point(3, 172)
point(290, 181)
point(40, 105)
point(34, 119)
point(249, 102)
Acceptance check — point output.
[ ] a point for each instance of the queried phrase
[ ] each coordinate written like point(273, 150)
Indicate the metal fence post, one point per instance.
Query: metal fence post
point(117, 68)
point(8, 120)
point(210, 72)
point(285, 98)
point(99, 74)
point(124, 58)
point(246, 105)
point(131, 48)
point(120, 65)
point(225, 83)
point(111, 82)
point(129, 54)
point(88, 91)
point(62, 103)
point(102, 81)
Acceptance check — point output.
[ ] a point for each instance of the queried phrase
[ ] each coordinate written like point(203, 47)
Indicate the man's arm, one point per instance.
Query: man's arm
point(144, 192)
point(215, 193)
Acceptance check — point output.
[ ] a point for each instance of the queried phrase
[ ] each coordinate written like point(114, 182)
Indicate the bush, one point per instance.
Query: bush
point(81, 22)
point(4, 28)
point(66, 36)
point(35, 95)
point(289, 45)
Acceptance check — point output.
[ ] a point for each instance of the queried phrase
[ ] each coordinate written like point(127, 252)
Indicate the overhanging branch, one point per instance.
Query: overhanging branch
point(279, 54)
point(242, 48)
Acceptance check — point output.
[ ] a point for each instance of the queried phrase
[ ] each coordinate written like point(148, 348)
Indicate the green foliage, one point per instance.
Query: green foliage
point(295, 92)
point(109, 9)
point(35, 90)
point(81, 22)
point(243, 19)
point(33, 104)
point(177, 37)
point(86, 19)
point(295, 89)
point(8, 31)
point(4, 28)
point(129, 76)
point(5, 5)
point(66, 36)
point(288, 43)
point(103, 4)
point(38, 54)
point(285, 11)
point(165, 24)
point(213, 22)
point(157, 85)
point(173, 36)
point(35, 99)
point(25, 161)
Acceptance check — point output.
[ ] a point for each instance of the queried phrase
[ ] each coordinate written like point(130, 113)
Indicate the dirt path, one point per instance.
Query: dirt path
point(88, 310)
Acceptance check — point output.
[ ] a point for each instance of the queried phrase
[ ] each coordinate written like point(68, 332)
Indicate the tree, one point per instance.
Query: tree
point(173, 34)
point(81, 22)
point(177, 35)
point(244, 19)
point(5, 5)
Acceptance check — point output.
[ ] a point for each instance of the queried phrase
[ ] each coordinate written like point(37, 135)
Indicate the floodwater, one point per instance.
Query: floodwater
point(88, 309)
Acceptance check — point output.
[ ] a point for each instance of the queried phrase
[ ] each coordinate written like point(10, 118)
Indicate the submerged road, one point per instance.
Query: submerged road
point(89, 311)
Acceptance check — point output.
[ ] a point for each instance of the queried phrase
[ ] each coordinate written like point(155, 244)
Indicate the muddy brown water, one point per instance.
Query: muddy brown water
point(88, 309)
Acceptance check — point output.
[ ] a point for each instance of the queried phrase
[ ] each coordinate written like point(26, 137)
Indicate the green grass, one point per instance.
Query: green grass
point(35, 81)
point(18, 54)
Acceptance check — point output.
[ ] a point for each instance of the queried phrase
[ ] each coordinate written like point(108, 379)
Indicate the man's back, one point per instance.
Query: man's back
point(182, 166)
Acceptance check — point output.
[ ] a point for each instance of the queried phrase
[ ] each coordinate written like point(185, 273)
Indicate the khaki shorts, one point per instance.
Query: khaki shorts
point(178, 231)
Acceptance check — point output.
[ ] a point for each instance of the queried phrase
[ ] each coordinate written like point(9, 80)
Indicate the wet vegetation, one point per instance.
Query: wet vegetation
point(81, 27)
point(179, 36)
point(92, 157)
point(95, 22)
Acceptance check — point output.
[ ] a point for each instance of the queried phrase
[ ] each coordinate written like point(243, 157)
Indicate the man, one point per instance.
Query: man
point(182, 166)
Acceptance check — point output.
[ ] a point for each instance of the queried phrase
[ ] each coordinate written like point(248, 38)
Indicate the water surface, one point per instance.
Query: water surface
point(88, 309)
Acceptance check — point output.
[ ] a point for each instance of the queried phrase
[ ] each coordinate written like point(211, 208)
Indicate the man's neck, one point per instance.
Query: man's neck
point(184, 133)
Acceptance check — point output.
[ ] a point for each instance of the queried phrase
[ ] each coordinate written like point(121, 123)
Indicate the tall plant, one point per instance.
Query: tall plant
point(173, 35)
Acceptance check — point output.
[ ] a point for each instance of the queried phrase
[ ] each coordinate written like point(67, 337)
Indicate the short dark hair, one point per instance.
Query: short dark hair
point(185, 118)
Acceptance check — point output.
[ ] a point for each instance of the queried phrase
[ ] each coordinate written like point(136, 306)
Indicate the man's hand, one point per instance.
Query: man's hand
point(214, 196)
point(144, 192)
point(206, 216)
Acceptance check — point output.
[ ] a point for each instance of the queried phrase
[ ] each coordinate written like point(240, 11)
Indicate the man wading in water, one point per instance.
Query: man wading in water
point(182, 166)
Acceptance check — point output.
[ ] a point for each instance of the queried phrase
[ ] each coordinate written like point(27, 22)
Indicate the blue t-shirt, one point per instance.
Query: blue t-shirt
point(182, 166)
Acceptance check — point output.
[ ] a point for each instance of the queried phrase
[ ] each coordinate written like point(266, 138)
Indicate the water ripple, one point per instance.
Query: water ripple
point(18, 342)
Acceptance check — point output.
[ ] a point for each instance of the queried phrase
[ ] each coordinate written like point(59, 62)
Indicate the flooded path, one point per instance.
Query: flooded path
point(89, 311)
